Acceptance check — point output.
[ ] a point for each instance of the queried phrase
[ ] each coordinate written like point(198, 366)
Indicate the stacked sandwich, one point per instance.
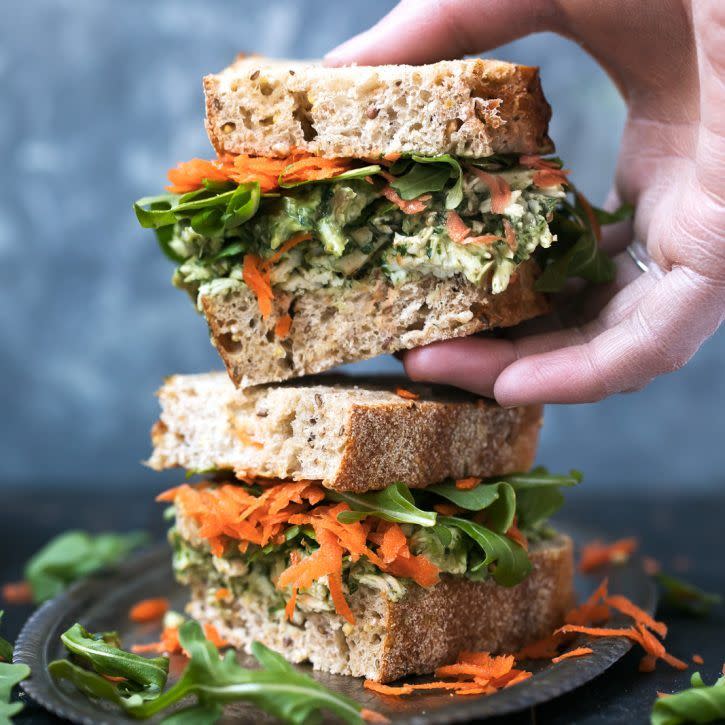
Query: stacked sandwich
point(372, 527)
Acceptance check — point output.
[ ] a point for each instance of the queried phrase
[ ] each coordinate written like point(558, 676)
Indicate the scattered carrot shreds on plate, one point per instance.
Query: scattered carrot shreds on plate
point(597, 553)
point(466, 484)
point(149, 610)
point(697, 659)
point(475, 673)
point(625, 606)
point(577, 652)
point(17, 593)
point(373, 716)
point(167, 644)
point(407, 394)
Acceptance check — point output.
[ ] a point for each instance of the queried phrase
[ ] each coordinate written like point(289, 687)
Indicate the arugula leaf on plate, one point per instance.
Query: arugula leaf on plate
point(73, 555)
point(699, 703)
point(10, 676)
point(277, 688)
point(686, 597)
point(394, 503)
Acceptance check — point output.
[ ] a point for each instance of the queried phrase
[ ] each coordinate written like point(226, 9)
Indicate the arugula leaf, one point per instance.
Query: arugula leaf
point(10, 676)
point(359, 173)
point(540, 477)
point(394, 503)
point(625, 211)
point(699, 703)
point(498, 499)
point(279, 688)
point(6, 649)
point(685, 596)
point(511, 561)
point(73, 555)
point(145, 678)
point(455, 193)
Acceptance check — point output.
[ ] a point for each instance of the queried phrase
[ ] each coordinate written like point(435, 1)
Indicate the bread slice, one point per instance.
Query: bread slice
point(423, 630)
point(470, 108)
point(351, 435)
point(370, 317)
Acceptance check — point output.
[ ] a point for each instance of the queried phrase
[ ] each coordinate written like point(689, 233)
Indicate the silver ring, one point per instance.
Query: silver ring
point(637, 251)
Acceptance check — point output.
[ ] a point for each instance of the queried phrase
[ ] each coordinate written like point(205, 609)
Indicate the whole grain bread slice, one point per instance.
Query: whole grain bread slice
point(369, 317)
point(353, 435)
point(423, 630)
point(470, 108)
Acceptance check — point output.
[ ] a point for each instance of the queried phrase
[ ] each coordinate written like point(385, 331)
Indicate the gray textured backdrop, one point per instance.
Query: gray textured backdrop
point(99, 98)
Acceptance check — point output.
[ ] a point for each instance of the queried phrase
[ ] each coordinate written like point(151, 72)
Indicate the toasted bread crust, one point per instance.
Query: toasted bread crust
point(425, 629)
point(332, 326)
point(352, 434)
point(472, 108)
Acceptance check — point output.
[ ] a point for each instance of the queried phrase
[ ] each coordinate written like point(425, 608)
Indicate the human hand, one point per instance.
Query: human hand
point(667, 57)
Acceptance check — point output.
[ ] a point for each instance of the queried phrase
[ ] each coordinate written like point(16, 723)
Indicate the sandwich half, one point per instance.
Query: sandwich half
point(379, 580)
point(357, 211)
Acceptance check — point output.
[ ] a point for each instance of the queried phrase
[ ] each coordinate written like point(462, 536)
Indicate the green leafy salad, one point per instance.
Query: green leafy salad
point(418, 216)
point(464, 528)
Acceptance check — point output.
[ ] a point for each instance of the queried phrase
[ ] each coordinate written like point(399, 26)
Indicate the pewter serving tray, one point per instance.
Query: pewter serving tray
point(102, 603)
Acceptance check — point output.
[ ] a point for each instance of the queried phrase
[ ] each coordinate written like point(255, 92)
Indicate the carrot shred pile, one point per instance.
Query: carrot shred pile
point(149, 610)
point(597, 553)
point(17, 593)
point(407, 394)
point(231, 515)
point(269, 173)
point(474, 673)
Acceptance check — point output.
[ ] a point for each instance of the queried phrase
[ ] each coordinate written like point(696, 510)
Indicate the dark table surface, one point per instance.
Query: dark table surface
point(682, 532)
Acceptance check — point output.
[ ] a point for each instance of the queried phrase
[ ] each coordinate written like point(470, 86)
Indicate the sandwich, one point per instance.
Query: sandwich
point(356, 211)
point(339, 522)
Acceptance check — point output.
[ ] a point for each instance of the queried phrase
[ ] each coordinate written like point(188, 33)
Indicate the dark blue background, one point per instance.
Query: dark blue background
point(98, 99)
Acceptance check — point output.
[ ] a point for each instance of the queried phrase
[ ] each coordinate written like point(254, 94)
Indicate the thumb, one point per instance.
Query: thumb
point(422, 31)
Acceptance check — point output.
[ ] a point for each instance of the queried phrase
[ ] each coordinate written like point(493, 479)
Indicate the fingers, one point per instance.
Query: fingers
point(660, 334)
point(421, 31)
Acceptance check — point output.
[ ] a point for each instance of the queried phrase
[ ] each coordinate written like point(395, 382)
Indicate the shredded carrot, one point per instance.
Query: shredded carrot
point(647, 663)
point(697, 659)
point(515, 534)
point(113, 678)
point(17, 593)
point(597, 554)
point(510, 235)
point(372, 716)
point(282, 327)
point(624, 605)
point(222, 593)
point(257, 279)
point(168, 644)
point(628, 632)
point(457, 229)
point(446, 509)
point(466, 484)
point(393, 543)
point(190, 175)
point(651, 565)
point(412, 206)
point(387, 689)
point(674, 662)
point(478, 664)
point(545, 648)
point(149, 610)
point(550, 177)
point(483, 239)
point(578, 652)
point(244, 438)
point(291, 243)
point(407, 394)
point(498, 187)
point(591, 216)
point(212, 634)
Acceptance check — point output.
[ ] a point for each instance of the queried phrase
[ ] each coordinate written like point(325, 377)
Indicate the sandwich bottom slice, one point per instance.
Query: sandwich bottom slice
point(378, 585)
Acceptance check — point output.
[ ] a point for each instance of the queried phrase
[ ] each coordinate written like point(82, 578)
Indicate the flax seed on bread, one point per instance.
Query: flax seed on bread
point(352, 435)
point(424, 629)
point(470, 108)
point(368, 317)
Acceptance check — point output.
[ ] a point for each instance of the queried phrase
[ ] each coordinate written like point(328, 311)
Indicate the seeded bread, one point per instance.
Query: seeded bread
point(423, 630)
point(370, 317)
point(353, 436)
point(470, 108)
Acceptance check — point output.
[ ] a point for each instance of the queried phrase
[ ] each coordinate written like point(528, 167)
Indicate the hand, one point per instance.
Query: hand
point(667, 57)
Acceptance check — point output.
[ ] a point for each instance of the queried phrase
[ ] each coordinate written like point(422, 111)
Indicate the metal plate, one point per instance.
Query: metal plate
point(102, 603)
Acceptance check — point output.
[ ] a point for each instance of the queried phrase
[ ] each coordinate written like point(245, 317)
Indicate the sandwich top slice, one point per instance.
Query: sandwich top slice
point(379, 584)
point(351, 434)
point(356, 211)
